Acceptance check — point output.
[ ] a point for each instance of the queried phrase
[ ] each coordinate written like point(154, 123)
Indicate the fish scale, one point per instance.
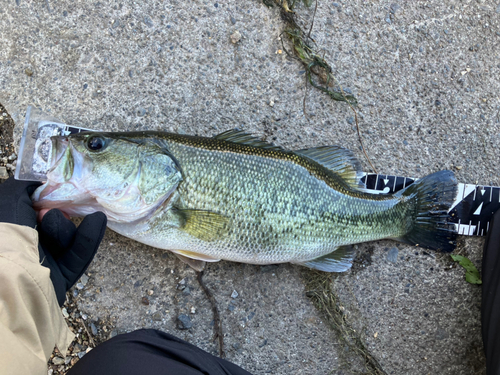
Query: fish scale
point(237, 198)
point(287, 214)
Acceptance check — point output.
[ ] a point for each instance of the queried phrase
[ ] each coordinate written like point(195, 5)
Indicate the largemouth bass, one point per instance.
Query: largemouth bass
point(237, 198)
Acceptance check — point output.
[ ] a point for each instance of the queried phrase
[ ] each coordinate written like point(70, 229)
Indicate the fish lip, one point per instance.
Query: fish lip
point(59, 146)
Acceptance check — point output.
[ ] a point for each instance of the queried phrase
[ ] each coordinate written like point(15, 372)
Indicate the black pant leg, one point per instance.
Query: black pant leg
point(151, 352)
point(490, 309)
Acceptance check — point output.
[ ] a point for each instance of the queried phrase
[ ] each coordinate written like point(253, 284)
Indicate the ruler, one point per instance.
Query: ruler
point(471, 212)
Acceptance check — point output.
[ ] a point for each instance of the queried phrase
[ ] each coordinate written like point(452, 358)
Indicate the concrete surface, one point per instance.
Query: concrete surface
point(426, 75)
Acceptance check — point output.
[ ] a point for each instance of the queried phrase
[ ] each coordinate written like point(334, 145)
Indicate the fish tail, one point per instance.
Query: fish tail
point(432, 197)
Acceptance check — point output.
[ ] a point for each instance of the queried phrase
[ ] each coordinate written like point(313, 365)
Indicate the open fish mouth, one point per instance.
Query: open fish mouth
point(60, 170)
point(89, 172)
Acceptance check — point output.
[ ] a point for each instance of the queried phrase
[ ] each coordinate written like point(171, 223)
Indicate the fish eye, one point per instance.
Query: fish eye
point(96, 143)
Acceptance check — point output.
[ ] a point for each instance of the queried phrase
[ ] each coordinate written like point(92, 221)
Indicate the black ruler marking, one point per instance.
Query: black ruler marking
point(471, 213)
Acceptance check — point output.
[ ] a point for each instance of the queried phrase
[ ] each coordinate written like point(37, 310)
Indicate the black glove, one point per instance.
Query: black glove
point(66, 250)
point(15, 202)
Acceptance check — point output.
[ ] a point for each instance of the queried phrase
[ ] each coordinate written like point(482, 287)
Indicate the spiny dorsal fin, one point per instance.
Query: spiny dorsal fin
point(240, 137)
point(339, 160)
point(205, 225)
point(339, 260)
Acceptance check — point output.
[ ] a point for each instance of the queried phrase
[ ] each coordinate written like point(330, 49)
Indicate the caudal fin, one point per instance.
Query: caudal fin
point(433, 196)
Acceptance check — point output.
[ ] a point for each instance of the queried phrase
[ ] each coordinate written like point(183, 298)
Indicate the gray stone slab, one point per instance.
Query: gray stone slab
point(426, 75)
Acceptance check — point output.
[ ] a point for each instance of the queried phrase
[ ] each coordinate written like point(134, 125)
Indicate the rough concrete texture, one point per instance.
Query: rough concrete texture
point(426, 75)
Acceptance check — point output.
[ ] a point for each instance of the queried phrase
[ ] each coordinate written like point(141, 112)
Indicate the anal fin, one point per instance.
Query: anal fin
point(339, 260)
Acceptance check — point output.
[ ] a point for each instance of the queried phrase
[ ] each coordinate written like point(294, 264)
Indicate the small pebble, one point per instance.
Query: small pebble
point(28, 72)
point(392, 256)
point(65, 312)
point(234, 294)
point(12, 157)
point(156, 317)
point(3, 173)
point(458, 167)
point(193, 310)
point(145, 301)
point(93, 329)
point(184, 322)
point(80, 286)
point(235, 37)
point(84, 279)
point(394, 8)
point(81, 354)
point(233, 20)
point(150, 292)
point(58, 361)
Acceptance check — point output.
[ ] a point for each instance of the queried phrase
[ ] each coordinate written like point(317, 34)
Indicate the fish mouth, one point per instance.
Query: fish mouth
point(55, 179)
point(59, 146)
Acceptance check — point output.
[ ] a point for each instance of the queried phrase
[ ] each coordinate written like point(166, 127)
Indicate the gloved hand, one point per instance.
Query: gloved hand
point(66, 250)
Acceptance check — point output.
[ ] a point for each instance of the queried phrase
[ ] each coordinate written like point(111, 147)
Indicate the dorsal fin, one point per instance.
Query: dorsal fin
point(339, 160)
point(242, 138)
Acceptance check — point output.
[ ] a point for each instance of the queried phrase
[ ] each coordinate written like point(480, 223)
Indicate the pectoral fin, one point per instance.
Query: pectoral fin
point(339, 260)
point(205, 225)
